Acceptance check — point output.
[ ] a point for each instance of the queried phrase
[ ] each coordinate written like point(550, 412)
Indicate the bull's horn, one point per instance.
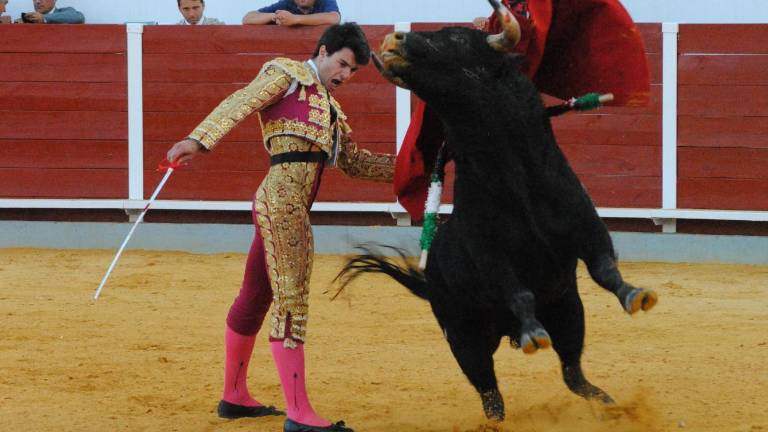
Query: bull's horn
point(389, 76)
point(510, 36)
point(379, 65)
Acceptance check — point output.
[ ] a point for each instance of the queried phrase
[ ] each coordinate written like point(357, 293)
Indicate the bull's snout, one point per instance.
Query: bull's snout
point(392, 42)
point(392, 60)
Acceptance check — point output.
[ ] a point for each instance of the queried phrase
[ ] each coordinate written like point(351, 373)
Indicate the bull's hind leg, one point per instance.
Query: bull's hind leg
point(601, 263)
point(473, 345)
point(564, 320)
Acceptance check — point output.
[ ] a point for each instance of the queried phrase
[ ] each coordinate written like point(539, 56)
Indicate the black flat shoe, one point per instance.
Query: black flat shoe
point(292, 426)
point(231, 411)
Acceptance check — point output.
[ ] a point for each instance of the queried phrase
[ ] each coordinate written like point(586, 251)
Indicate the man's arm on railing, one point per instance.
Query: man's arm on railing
point(66, 15)
point(255, 17)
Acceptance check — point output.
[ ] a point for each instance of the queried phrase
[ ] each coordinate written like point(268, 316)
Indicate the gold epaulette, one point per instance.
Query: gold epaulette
point(295, 69)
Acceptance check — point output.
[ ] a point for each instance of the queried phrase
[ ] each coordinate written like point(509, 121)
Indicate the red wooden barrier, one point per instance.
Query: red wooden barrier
point(63, 127)
point(723, 116)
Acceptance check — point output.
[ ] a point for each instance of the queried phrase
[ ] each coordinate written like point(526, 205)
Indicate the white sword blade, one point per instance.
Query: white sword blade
point(130, 233)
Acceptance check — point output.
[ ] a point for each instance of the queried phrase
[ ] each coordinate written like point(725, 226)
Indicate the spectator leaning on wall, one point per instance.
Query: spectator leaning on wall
point(4, 19)
point(193, 12)
point(296, 12)
point(46, 12)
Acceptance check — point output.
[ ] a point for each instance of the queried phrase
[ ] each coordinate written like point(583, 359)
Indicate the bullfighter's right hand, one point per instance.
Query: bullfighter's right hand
point(183, 151)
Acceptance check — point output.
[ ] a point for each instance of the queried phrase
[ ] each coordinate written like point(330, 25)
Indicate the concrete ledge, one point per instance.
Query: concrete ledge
point(339, 240)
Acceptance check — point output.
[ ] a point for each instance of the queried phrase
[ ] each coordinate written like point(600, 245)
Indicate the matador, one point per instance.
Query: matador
point(304, 131)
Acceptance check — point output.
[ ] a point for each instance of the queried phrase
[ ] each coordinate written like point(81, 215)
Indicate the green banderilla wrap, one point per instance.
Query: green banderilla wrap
point(432, 206)
point(587, 102)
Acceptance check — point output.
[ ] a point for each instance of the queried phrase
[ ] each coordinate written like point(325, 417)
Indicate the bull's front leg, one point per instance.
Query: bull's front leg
point(506, 288)
point(600, 258)
point(498, 274)
point(521, 301)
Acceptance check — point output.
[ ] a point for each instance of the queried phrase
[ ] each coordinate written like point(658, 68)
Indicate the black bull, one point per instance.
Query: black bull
point(504, 263)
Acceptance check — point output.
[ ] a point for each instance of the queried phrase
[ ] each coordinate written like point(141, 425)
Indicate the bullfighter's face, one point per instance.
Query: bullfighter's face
point(335, 69)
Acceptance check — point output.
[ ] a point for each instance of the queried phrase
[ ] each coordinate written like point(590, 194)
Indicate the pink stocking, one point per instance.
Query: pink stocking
point(290, 367)
point(238, 351)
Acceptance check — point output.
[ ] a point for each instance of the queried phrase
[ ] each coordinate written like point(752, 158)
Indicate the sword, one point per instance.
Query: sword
point(169, 171)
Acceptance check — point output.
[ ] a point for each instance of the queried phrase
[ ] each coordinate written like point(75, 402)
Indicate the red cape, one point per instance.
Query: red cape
point(591, 46)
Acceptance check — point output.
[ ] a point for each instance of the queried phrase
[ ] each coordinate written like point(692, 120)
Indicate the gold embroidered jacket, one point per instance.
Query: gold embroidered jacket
point(305, 111)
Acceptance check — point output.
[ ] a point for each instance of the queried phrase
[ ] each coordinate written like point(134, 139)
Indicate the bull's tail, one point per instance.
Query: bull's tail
point(404, 272)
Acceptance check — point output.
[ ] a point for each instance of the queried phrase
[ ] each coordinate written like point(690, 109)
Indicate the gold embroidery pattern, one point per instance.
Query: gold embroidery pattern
point(295, 69)
point(284, 126)
point(282, 204)
point(320, 118)
point(263, 91)
point(317, 101)
point(363, 164)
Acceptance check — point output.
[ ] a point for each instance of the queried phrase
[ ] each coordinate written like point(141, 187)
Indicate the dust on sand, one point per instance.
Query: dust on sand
point(148, 355)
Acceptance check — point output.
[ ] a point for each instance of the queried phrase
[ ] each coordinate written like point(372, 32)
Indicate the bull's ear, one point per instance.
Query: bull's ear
point(510, 35)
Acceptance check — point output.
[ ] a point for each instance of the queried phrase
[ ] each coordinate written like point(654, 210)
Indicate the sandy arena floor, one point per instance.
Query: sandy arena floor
point(148, 355)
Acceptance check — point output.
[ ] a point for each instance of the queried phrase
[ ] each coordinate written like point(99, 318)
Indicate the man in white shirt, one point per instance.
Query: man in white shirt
point(193, 13)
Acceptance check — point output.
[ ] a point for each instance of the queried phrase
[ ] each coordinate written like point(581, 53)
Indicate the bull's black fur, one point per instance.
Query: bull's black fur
point(504, 264)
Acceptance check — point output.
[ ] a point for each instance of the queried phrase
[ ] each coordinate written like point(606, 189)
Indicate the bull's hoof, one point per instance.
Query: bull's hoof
point(603, 397)
point(533, 340)
point(595, 393)
point(493, 405)
point(640, 298)
point(577, 383)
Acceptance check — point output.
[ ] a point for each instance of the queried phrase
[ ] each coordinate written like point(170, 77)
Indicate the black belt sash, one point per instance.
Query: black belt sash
point(298, 156)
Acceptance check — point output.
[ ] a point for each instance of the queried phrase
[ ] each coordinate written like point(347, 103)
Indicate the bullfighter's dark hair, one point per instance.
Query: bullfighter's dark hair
point(178, 2)
point(347, 35)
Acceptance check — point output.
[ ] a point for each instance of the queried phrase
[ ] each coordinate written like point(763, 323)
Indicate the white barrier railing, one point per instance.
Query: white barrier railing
point(135, 111)
point(670, 33)
point(666, 216)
